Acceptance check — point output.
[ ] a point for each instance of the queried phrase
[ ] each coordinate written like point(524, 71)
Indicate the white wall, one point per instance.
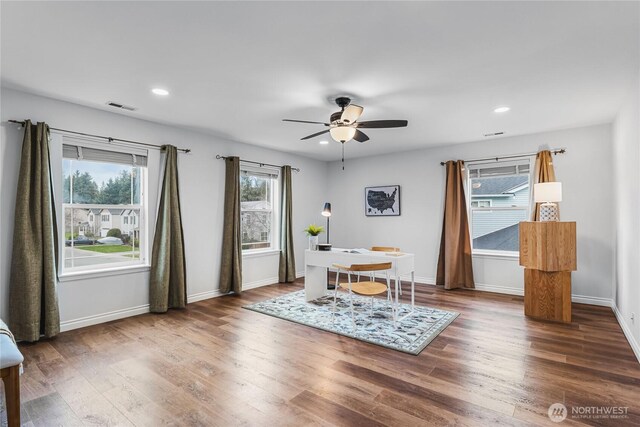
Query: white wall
point(585, 171)
point(201, 191)
point(626, 145)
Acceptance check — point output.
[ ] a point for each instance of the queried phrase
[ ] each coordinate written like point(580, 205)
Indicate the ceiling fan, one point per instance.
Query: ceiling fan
point(344, 125)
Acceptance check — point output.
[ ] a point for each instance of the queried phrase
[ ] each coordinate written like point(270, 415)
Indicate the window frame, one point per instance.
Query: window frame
point(274, 244)
point(108, 268)
point(483, 210)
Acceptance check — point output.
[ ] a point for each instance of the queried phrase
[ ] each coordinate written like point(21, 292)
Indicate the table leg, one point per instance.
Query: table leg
point(315, 282)
point(413, 289)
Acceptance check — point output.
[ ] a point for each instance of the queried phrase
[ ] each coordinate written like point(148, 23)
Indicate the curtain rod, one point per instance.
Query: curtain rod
point(554, 151)
point(218, 156)
point(108, 138)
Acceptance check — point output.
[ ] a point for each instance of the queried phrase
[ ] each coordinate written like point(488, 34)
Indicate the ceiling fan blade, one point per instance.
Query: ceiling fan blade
point(305, 121)
point(314, 135)
point(382, 124)
point(351, 113)
point(360, 136)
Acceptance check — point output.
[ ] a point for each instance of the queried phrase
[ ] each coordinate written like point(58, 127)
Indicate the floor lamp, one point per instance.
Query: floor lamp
point(327, 212)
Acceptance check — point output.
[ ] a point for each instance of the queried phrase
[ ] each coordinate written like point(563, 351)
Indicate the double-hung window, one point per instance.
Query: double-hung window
point(101, 188)
point(498, 199)
point(258, 208)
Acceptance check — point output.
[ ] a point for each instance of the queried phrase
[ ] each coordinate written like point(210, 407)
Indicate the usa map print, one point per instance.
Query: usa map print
point(382, 201)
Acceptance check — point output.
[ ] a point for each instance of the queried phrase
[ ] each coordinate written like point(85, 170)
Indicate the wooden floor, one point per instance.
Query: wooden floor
point(217, 364)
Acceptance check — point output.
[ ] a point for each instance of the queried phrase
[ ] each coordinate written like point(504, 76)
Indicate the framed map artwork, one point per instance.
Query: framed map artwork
point(382, 201)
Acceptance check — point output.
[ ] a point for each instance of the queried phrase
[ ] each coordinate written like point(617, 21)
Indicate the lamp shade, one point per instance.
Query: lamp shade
point(342, 133)
point(327, 209)
point(547, 192)
point(351, 113)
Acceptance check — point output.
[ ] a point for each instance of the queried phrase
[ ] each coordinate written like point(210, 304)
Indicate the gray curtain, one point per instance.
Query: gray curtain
point(231, 266)
point(287, 270)
point(33, 299)
point(168, 279)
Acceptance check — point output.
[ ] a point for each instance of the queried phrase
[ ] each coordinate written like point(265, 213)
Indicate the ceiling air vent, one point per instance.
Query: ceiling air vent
point(121, 106)
point(494, 134)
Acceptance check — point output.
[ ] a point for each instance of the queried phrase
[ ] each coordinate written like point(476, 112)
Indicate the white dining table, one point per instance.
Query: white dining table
point(316, 264)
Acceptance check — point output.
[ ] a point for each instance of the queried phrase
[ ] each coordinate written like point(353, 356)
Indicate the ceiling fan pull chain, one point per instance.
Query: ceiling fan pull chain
point(343, 156)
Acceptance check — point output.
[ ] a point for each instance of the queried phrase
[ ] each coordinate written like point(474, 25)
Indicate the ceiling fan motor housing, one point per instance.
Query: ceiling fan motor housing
point(343, 101)
point(335, 117)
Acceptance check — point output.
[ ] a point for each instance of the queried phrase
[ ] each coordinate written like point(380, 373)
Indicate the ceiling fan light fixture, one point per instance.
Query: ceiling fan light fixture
point(343, 133)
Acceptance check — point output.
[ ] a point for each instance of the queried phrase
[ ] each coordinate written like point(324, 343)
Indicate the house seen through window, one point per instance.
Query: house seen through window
point(498, 197)
point(103, 193)
point(258, 208)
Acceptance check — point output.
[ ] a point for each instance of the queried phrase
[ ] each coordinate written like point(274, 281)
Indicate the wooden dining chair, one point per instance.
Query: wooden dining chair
point(364, 288)
point(384, 249)
point(389, 249)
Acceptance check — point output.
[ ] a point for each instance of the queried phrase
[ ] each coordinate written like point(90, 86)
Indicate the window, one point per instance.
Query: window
point(105, 186)
point(258, 197)
point(499, 197)
point(480, 203)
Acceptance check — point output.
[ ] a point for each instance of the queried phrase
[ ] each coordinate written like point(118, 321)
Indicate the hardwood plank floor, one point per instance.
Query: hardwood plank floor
point(217, 364)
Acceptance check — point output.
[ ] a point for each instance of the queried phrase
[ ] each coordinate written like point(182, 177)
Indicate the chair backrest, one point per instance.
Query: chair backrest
point(370, 267)
point(384, 249)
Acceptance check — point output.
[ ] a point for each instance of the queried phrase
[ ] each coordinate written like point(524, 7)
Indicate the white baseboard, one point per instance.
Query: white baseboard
point(583, 299)
point(635, 346)
point(203, 295)
point(259, 283)
point(103, 317)
point(510, 290)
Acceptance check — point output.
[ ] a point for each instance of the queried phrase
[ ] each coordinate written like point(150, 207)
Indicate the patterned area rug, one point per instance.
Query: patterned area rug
point(411, 335)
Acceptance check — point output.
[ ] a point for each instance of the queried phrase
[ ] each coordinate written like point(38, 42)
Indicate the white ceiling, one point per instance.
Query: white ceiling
point(236, 69)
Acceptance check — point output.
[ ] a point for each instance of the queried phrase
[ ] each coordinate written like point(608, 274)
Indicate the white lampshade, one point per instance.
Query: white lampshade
point(547, 192)
point(342, 133)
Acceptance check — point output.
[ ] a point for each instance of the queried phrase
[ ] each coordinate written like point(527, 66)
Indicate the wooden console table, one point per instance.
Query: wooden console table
point(548, 254)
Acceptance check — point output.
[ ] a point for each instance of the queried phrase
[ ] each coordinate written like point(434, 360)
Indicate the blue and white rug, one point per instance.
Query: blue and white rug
point(411, 335)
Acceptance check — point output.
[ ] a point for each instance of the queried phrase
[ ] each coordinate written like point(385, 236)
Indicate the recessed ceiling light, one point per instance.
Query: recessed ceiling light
point(160, 91)
point(501, 109)
point(324, 142)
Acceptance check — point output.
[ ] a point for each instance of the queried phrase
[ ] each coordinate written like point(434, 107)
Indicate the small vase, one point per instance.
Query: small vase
point(313, 243)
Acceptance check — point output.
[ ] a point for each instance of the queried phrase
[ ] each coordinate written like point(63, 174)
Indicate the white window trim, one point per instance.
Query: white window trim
point(487, 253)
point(255, 253)
point(112, 268)
point(113, 271)
point(275, 218)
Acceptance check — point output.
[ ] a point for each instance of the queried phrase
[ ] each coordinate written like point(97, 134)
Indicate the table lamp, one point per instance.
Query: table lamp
point(327, 212)
point(548, 193)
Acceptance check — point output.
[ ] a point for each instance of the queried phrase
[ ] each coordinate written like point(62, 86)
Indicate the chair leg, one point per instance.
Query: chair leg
point(371, 307)
point(353, 318)
point(335, 292)
point(11, 379)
